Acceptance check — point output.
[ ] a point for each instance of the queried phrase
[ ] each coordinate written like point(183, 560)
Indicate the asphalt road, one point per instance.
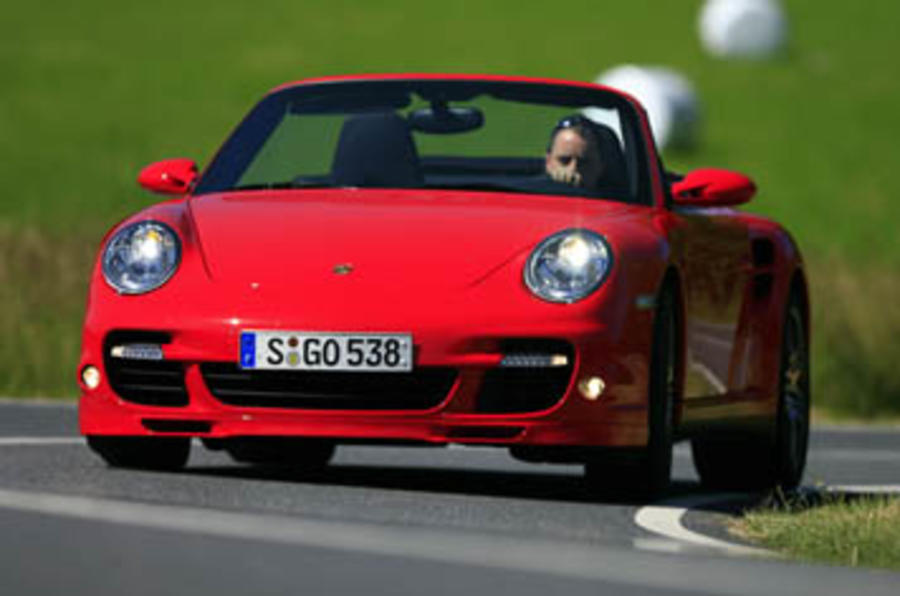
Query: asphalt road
point(387, 521)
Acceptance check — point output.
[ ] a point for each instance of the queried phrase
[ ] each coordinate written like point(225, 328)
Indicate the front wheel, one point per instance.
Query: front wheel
point(647, 473)
point(145, 453)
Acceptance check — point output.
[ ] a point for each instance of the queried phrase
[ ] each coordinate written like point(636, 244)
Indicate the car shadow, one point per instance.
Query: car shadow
point(538, 485)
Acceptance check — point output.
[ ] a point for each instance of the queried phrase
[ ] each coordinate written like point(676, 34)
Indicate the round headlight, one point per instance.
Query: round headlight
point(141, 257)
point(568, 266)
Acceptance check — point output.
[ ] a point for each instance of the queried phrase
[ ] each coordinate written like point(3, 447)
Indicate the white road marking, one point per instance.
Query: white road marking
point(666, 518)
point(39, 402)
point(683, 450)
point(864, 489)
point(27, 441)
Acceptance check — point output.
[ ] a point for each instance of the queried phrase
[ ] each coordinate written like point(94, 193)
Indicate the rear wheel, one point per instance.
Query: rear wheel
point(647, 472)
point(301, 453)
point(147, 453)
point(776, 458)
point(792, 432)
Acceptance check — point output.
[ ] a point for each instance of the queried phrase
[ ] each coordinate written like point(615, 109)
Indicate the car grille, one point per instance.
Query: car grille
point(147, 382)
point(422, 389)
point(522, 390)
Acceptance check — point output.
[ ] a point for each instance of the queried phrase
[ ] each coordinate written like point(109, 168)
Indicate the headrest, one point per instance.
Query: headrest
point(376, 150)
point(612, 155)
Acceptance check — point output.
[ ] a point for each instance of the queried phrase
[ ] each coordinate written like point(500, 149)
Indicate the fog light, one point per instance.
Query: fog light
point(91, 377)
point(591, 387)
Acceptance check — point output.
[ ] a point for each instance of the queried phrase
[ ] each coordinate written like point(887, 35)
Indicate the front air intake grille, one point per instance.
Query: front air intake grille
point(522, 390)
point(421, 389)
point(147, 382)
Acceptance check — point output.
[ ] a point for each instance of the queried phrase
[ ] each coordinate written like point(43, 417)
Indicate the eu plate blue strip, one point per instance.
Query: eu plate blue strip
point(248, 350)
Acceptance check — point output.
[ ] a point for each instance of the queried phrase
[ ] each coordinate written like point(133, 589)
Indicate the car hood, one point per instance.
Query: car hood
point(381, 239)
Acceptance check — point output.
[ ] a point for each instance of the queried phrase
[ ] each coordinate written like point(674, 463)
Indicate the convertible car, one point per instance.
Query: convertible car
point(440, 259)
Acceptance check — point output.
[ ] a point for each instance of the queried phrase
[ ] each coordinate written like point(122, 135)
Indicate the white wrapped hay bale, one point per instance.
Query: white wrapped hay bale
point(668, 97)
point(743, 28)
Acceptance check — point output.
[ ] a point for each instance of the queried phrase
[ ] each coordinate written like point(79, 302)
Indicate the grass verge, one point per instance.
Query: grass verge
point(43, 285)
point(859, 531)
point(856, 320)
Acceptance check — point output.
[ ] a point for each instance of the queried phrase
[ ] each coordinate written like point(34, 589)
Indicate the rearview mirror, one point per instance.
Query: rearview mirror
point(169, 177)
point(442, 119)
point(713, 188)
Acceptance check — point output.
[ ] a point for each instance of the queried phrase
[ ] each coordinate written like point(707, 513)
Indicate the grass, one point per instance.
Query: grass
point(840, 530)
point(856, 321)
point(83, 108)
point(43, 283)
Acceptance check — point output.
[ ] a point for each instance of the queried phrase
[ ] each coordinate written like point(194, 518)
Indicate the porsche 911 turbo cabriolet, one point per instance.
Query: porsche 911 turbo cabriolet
point(450, 259)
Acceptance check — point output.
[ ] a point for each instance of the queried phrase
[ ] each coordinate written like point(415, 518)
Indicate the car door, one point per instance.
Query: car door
point(715, 251)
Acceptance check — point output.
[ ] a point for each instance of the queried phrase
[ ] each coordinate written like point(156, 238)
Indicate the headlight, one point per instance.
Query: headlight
point(568, 266)
point(141, 257)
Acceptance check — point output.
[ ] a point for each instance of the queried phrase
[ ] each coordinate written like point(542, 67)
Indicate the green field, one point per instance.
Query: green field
point(94, 90)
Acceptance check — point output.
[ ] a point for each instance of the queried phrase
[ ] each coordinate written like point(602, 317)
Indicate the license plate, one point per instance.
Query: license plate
point(303, 350)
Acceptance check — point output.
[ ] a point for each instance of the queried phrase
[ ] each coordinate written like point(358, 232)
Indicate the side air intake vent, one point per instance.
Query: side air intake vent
point(763, 252)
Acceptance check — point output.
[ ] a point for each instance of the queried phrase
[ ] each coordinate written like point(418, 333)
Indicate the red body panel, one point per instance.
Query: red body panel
point(446, 266)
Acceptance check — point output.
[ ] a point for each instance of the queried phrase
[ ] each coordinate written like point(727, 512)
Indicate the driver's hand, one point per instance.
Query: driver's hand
point(569, 176)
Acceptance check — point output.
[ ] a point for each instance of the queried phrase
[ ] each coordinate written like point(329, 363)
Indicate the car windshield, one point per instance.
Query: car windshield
point(458, 134)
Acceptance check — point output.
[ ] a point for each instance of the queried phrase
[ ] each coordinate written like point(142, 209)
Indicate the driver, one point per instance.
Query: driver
point(573, 155)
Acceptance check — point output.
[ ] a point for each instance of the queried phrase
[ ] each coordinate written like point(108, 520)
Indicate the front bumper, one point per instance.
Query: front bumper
point(616, 418)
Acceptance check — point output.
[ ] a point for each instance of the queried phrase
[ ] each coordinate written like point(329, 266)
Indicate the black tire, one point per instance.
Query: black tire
point(145, 453)
point(777, 458)
point(792, 427)
point(646, 474)
point(301, 453)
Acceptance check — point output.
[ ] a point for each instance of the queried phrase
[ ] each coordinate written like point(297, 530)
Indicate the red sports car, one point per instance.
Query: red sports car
point(436, 259)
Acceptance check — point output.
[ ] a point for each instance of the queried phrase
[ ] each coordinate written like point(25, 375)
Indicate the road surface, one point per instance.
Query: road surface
point(388, 521)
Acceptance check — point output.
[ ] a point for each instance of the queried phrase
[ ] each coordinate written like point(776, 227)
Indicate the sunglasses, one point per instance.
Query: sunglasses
point(572, 122)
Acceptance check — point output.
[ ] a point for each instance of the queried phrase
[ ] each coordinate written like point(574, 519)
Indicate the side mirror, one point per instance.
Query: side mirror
point(713, 188)
point(169, 177)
